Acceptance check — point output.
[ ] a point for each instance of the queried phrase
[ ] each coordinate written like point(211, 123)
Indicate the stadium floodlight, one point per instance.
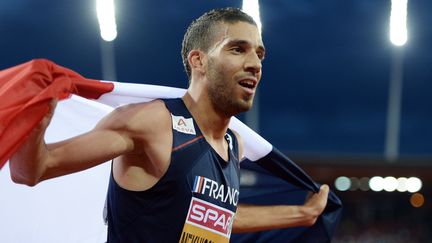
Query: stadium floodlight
point(390, 184)
point(376, 183)
point(106, 16)
point(414, 184)
point(251, 7)
point(342, 183)
point(402, 184)
point(398, 22)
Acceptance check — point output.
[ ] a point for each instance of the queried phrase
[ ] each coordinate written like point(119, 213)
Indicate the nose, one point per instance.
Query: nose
point(253, 63)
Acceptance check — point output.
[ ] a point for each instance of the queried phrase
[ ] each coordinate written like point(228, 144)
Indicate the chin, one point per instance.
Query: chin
point(244, 106)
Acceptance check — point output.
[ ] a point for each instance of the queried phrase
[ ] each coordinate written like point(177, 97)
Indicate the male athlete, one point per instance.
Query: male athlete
point(175, 170)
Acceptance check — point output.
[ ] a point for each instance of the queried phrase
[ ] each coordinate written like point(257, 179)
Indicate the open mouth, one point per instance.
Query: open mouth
point(248, 84)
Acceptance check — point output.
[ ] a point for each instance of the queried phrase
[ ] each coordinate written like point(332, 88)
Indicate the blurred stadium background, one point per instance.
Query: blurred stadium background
point(325, 98)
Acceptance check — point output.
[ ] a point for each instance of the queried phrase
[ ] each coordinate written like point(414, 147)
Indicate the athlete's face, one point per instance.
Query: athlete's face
point(234, 67)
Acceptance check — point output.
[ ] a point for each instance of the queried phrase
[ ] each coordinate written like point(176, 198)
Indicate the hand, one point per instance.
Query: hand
point(25, 165)
point(252, 218)
point(47, 118)
point(315, 204)
point(37, 135)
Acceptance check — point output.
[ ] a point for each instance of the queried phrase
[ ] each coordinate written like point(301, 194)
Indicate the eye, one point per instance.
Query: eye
point(237, 49)
point(261, 55)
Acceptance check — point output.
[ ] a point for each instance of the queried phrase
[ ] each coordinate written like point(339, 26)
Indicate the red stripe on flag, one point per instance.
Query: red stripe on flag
point(25, 93)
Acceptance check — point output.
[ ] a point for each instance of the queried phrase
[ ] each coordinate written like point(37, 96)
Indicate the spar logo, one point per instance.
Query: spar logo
point(210, 217)
point(213, 189)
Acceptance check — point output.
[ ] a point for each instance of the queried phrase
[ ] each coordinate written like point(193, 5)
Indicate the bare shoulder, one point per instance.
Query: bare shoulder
point(137, 118)
point(148, 124)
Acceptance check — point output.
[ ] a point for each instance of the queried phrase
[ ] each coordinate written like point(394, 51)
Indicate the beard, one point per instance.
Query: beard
point(221, 90)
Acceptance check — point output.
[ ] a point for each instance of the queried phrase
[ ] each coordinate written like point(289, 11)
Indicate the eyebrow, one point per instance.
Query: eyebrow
point(239, 42)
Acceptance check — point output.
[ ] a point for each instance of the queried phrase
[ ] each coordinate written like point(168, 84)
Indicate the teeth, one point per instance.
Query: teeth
point(248, 83)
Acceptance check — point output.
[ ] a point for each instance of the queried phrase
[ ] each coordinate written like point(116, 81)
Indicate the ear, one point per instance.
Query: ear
point(196, 59)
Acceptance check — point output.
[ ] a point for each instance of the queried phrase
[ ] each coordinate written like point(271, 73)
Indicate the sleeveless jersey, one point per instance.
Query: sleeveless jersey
point(196, 199)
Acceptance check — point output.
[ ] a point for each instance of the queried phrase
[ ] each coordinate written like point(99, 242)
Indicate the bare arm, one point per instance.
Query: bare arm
point(251, 218)
point(36, 161)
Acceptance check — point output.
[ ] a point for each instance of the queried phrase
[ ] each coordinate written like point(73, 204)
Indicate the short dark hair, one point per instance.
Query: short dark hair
point(199, 35)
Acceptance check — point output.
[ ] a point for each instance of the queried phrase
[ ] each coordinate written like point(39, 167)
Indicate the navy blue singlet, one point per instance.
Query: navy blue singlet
point(196, 199)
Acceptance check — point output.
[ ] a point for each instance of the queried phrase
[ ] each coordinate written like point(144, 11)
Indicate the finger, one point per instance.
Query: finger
point(47, 118)
point(323, 193)
point(324, 189)
point(52, 106)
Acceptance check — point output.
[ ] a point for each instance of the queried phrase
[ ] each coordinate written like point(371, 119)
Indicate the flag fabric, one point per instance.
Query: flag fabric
point(26, 91)
point(25, 94)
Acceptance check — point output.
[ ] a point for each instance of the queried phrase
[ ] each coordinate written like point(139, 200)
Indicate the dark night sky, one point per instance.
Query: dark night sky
point(325, 79)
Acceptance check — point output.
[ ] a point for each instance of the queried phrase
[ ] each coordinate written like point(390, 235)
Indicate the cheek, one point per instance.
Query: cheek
point(231, 70)
point(226, 69)
point(231, 62)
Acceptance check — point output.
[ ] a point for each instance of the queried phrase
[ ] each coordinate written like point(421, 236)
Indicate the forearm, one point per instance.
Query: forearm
point(251, 218)
point(27, 165)
point(36, 161)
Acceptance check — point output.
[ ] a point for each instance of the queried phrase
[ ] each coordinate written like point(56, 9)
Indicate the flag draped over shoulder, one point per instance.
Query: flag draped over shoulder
point(25, 94)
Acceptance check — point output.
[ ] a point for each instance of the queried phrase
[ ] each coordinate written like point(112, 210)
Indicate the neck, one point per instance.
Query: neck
point(212, 124)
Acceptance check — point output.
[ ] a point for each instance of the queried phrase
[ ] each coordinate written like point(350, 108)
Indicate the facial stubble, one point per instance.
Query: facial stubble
point(221, 90)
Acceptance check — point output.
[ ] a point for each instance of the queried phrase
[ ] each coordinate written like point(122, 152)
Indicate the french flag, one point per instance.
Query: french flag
point(69, 208)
